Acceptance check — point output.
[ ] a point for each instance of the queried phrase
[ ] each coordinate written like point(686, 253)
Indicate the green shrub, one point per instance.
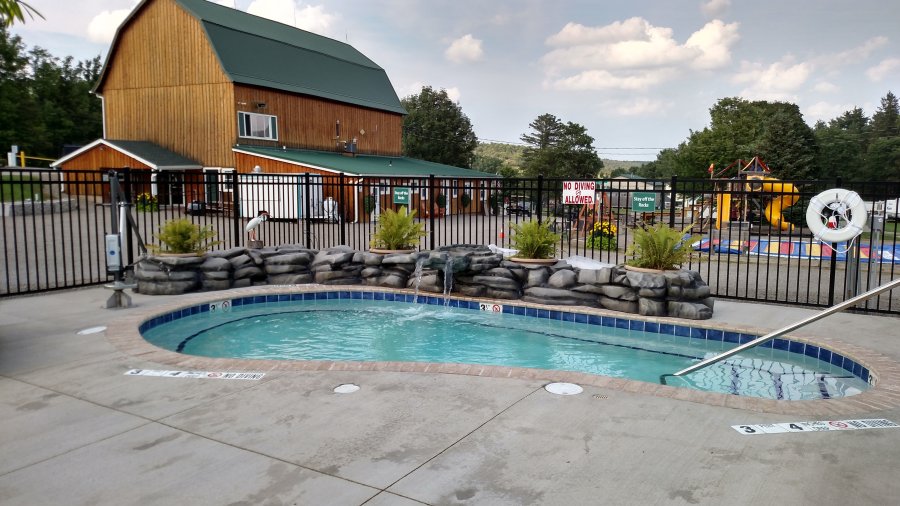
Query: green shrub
point(441, 200)
point(182, 236)
point(661, 247)
point(534, 240)
point(465, 200)
point(369, 203)
point(397, 230)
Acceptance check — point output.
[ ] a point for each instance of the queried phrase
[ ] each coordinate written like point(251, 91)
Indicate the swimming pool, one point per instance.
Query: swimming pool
point(360, 325)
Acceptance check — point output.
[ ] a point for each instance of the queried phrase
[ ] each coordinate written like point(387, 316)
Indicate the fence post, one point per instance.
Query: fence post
point(341, 208)
point(432, 200)
point(129, 199)
point(236, 207)
point(832, 277)
point(672, 202)
point(306, 211)
point(540, 196)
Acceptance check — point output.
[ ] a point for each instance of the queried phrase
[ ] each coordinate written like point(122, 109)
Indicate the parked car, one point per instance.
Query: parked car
point(519, 207)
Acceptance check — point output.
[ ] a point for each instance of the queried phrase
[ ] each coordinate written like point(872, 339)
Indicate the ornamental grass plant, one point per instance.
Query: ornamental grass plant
point(397, 230)
point(182, 236)
point(534, 240)
point(661, 247)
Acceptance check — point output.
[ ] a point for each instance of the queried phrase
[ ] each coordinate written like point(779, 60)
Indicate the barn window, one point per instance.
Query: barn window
point(257, 126)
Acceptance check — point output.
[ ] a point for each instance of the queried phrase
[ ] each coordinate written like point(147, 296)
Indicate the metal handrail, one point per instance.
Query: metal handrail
point(784, 330)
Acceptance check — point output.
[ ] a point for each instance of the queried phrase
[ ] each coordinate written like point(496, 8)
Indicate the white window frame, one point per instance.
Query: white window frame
point(245, 122)
point(455, 187)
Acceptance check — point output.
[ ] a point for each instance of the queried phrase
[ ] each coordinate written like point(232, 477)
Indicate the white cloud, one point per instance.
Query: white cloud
point(776, 81)
point(605, 80)
point(825, 111)
point(714, 42)
point(826, 87)
point(102, 28)
point(632, 54)
point(464, 49)
point(883, 69)
point(453, 93)
point(852, 55)
point(312, 18)
point(638, 107)
point(715, 8)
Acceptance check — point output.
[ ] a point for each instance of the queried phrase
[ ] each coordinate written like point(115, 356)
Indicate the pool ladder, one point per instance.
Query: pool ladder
point(784, 330)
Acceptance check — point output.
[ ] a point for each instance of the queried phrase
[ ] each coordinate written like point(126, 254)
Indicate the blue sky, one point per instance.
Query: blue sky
point(639, 74)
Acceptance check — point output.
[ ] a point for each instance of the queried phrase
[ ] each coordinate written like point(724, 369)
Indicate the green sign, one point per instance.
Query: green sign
point(643, 202)
point(401, 196)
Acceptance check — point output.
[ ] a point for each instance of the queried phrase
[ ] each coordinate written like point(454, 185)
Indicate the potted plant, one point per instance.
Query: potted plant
point(465, 200)
point(659, 248)
point(369, 204)
point(441, 202)
point(495, 200)
point(397, 232)
point(535, 241)
point(182, 237)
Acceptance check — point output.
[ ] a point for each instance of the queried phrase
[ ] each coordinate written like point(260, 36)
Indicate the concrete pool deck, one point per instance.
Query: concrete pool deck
point(77, 430)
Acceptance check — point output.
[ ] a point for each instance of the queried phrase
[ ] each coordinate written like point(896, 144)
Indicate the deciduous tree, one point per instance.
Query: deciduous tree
point(436, 129)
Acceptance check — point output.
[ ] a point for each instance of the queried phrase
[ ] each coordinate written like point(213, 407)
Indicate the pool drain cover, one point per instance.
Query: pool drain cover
point(346, 388)
point(563, 388)
point(92, 330)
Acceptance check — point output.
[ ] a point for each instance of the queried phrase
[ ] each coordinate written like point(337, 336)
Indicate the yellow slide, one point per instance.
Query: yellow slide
point(785, 196)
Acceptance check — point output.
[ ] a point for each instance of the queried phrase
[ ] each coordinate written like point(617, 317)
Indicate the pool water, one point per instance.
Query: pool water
point(368, 330)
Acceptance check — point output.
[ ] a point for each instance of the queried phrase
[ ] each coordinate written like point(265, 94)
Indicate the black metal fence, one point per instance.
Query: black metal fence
point(755, 245)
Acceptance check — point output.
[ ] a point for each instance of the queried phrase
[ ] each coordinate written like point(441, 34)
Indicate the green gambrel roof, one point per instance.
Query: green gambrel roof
point(259, 52)
point(365, 165)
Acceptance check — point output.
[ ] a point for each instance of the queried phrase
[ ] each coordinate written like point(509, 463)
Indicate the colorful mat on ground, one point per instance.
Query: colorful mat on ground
point(889, 253)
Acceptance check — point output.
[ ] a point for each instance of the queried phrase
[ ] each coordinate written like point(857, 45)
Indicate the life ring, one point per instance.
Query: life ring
point(836, 215)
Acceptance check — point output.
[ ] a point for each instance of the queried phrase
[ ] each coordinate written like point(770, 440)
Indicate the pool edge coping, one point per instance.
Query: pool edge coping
point(124, 334)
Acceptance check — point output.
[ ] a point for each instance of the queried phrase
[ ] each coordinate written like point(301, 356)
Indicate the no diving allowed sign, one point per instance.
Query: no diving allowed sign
point(197, 374)
point(780, 428)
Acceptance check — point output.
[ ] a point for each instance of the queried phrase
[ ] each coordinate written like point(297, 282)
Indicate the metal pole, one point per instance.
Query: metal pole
point(540, 195)
point(672, 197)
point(432, 202)
point(794, 326)
point(341, 212)
point(236, 208)
point(306, 210)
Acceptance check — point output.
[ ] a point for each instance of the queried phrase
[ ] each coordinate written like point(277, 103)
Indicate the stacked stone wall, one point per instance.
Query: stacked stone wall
point(469, 270)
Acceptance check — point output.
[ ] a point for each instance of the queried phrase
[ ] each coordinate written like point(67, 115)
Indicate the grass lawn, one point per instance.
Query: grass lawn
point(891, 232)
point(19, 188)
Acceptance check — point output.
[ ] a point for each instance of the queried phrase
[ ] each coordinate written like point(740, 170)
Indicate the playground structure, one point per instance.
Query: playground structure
point(738, 199)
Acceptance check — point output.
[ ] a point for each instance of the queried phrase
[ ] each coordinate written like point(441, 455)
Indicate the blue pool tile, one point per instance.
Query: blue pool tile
point(857, 369)
point(355, 295)
point(595, 319)
point(434, 301)
point(309, 296)
point(781, 344)
point(237, 302)
point(682, 331)
point(636, 325)
point(732, 337)
point(746, 338)
point(530, 311)
point(666, 329)
point(651, 327)
point(767, 344)
point(568, 316)
point(698, 333)
point(581, 318)
point(622, 323)
point(797, 347)
point(283, 297)
point(331, 295)
point(520, 310)
point(345, 294)
point(812, 351)
point(715, 335)
point(167, 317)
point(389, 296)
point(271, 298)
point(377, 295)
point(204, 308)
point(837, 359)
point(259, 299)
point(507, 309)
point(848, 365)
point(296, 296)
point(474, 305)
point(368, 296)
point(864, 375)
point(825, 355)
point(608, 321)
point(555, 315)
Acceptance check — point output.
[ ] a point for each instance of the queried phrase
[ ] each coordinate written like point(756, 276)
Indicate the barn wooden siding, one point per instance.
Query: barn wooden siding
point(101, 158)
point(311, 123)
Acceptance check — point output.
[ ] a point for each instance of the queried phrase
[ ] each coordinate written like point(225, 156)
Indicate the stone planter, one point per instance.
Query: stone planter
point(534, 261)
point(380, 251)
point(645, 269)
